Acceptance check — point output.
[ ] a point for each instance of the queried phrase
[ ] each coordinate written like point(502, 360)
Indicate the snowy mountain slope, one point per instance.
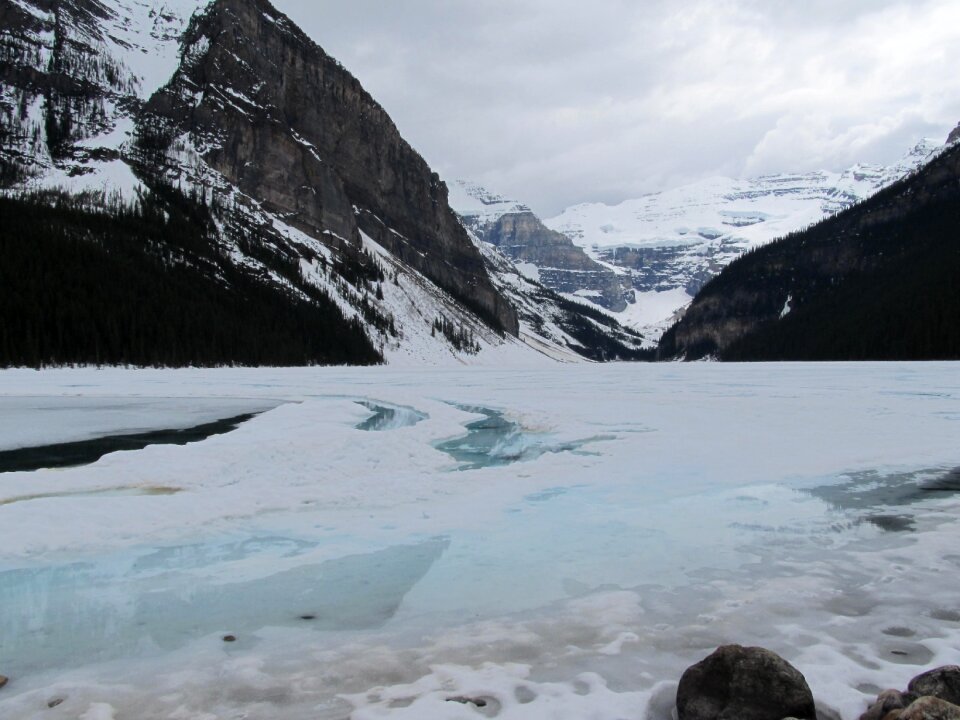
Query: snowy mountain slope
point(562, 328)
point(674, 241)
point(76, 73)
point(874, 282)
point(480, 206)
point(147, 36)
point(542, 254)
point(118, 100)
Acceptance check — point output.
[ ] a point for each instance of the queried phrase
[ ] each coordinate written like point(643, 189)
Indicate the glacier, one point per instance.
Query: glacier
point(672, 242)
point(553, 541)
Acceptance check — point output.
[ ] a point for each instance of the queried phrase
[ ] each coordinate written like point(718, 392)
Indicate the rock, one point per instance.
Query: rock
point(931, 708)
point(893, 715)
point(943, 683)
point(229, 638)
point(3, 680)
point(954, 135)
point(744, 683)
point(563, 266)
point(55, 702)
point(887, 702)
point(478, 702)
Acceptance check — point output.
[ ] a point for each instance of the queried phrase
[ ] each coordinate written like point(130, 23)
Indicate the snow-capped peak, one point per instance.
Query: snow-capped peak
point(751, 210)
point(954, 136)
point(470, 200)
point(673, 241)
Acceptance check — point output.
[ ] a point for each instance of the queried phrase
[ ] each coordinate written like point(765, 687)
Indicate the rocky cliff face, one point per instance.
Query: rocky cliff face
point(561, 265)
point(286, 124)
point(73, 74)
point(954, 136)
point(57, 86)
point(560, 328)
point(289, 181)
point(661, 269)
point(551, 256)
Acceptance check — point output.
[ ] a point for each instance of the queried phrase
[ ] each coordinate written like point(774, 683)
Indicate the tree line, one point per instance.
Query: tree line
point(148, 283)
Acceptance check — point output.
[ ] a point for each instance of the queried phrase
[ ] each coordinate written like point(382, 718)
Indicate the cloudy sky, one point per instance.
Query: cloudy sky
point(556, 102)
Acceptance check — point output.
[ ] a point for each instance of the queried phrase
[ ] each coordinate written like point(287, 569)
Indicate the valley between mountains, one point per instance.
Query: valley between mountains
point(188, 175)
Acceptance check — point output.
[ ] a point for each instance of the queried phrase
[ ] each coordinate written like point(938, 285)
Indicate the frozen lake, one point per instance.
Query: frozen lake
point(558, 542)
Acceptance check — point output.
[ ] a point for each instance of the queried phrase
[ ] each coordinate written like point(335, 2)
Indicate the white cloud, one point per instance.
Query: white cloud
point(560, 102)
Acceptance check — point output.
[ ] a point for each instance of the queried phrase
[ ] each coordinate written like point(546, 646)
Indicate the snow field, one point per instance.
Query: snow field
point(705, 504)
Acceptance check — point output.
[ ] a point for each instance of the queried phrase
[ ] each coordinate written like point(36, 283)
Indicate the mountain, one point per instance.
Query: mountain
point(954, 136)
point(559, 327)
point(213, 156)
point(875, 282)
point(73, 75)
point(279, 120)
point(543, 254)
point(673, 242)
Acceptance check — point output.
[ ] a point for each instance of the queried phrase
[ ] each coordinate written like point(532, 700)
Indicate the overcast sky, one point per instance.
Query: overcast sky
point(556, 102)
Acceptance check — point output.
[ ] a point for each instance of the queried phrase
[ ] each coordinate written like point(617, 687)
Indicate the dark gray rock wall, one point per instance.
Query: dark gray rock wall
point(563, 266)
point(290, 127)
point(954, 135)
point(663, 268)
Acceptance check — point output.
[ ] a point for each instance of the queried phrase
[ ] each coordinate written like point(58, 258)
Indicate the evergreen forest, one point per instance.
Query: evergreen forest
point(876, 282)
point(149, 283)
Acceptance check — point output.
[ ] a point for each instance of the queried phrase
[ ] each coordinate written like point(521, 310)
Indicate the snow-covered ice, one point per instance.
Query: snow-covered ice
point(631, 518)
point(27, 421)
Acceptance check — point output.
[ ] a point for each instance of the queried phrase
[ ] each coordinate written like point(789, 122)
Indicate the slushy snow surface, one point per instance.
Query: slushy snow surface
point(631, 519)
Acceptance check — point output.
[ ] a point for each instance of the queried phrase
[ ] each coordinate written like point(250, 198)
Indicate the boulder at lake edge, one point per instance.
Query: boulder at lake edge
point(943, 683)
point(744, 683)
point(887, 702)
point(931, 708)
point(933, 695)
